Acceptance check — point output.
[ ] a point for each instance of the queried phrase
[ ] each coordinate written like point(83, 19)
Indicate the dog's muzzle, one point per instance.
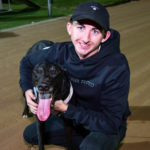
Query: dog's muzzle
point(44, 103)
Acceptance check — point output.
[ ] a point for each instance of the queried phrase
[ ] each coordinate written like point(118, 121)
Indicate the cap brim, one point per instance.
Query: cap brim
point(88, 17)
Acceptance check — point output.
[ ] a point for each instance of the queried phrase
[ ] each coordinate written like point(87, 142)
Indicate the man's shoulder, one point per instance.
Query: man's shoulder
point(119, 60)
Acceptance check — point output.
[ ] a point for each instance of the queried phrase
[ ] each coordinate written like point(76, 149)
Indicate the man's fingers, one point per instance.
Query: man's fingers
point(32, 103)
point(33, 107)
point(29, 98)
point(29, 93)
point(33, 110)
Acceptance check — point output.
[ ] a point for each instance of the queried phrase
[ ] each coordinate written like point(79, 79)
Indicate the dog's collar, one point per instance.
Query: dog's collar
point(35, 89)
point(66, 101)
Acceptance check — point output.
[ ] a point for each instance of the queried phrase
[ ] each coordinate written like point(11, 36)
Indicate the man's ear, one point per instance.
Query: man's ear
point(108, 33)
point(68, 26)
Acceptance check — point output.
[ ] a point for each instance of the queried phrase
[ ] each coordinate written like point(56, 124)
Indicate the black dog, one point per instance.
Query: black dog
point(50, 84)
point(37, 47)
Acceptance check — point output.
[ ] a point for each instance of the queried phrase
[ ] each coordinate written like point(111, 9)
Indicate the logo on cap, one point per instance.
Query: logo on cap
point(94, 7)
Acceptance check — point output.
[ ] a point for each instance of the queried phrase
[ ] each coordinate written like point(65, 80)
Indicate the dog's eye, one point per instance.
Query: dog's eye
point(34, 76)
point(53, 73)
point(39, 71)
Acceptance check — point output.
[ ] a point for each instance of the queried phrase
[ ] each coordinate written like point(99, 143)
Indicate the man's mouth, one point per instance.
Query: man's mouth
point(84, 46)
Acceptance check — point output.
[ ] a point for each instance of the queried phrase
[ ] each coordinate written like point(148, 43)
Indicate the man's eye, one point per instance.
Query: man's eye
point(80, 28)
point(96, 31)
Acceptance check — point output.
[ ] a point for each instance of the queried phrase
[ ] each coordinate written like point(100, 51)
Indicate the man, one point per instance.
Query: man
point(100, 77)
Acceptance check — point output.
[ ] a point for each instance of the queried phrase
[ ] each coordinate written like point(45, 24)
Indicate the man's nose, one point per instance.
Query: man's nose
point(86, 37)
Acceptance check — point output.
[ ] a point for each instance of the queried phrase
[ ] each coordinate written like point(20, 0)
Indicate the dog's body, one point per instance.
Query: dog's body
point(38, 46)
point(50, 84)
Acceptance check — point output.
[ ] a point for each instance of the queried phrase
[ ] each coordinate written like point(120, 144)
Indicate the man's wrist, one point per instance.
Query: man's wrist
point(65, 109)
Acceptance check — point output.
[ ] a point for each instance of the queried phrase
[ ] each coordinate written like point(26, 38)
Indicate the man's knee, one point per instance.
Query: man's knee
point(30, 134)
point(89, 142)
point(99, 141)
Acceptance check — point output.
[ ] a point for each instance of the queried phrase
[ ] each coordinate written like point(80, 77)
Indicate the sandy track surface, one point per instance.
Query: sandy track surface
point(133, 22)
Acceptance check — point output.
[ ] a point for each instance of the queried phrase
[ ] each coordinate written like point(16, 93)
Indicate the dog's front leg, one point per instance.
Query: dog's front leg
point(25, 113)
point(68, 133)
point(40, 133)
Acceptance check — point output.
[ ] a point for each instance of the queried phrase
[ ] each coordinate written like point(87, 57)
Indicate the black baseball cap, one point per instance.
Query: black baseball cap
point(93, 11)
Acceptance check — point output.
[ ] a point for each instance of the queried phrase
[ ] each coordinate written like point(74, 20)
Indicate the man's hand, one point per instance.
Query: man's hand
point(60, 106)
point(29, 98)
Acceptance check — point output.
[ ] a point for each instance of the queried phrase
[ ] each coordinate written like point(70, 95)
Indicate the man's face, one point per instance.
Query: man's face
point(86, 37)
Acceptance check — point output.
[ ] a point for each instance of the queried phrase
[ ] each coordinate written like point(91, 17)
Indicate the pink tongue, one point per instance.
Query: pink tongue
point(43, 111)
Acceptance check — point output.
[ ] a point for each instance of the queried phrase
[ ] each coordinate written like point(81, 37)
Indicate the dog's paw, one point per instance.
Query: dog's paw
point(24, 116)
point(34, 148)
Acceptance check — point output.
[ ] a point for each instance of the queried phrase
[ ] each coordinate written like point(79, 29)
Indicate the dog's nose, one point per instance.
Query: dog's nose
point(43, 87)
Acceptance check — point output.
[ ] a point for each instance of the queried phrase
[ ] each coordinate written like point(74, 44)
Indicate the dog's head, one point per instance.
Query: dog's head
point(50, 83)
point(44, 78)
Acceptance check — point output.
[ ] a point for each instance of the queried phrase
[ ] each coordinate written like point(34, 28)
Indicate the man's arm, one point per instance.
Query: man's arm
point(26, 68)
